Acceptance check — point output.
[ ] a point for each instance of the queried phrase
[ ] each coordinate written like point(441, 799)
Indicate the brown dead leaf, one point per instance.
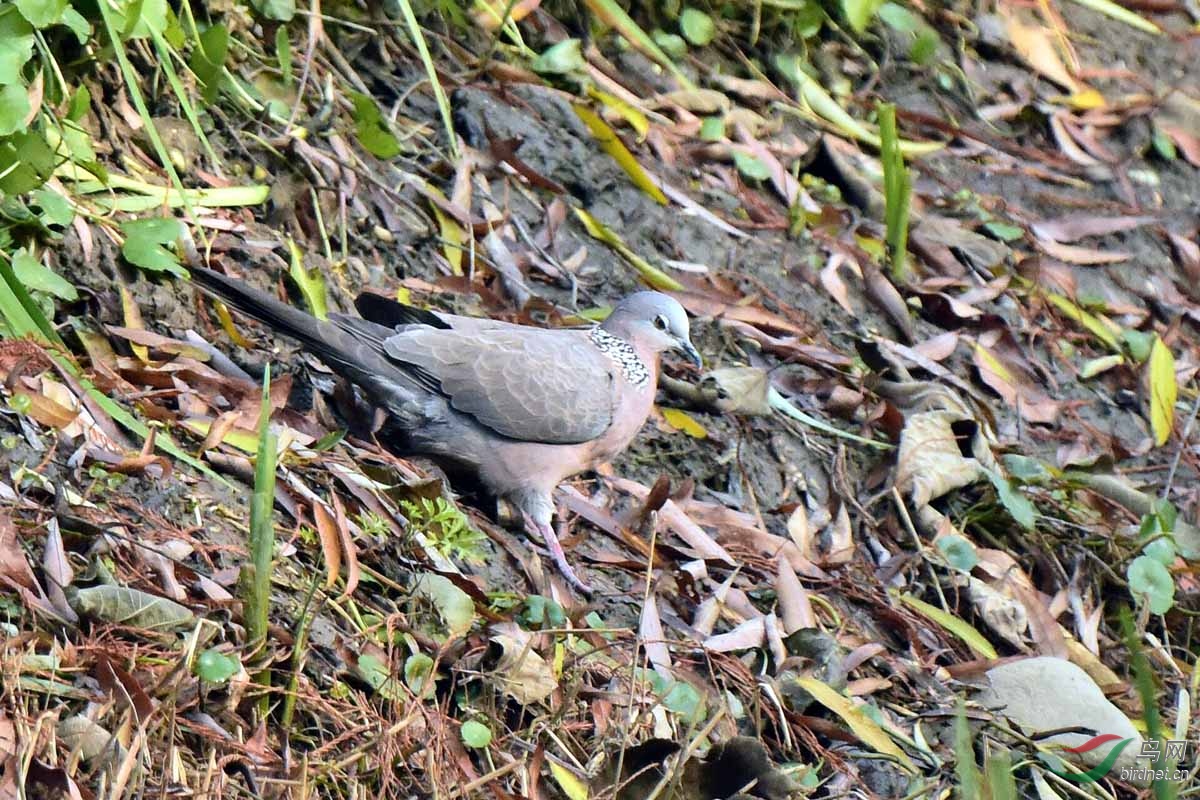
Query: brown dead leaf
point(711, 306)
point(653, 639)
point(1038, 47)
point(14, 566)
point(1006, 374)
point(1083, 256)
point(331, 546)
point(1073, 227)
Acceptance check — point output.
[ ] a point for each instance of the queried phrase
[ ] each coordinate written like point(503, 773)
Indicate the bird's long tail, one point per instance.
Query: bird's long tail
point(354, 353)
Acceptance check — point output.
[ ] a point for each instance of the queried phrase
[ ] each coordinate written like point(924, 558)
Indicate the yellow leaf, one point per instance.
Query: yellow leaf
point(653, 276)
point(682, 421)
point(452, 234)
point(863, 726)
point(634, 116)
point(227, 323)
point(572, 787)
point(611, 143)
point(1087, 100)
point(969, 636)
point(1163, 391)
point(1103, 329)
point(133, 319)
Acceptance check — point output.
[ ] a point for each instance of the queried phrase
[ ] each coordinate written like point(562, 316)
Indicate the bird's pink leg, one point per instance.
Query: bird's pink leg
point(546, 532)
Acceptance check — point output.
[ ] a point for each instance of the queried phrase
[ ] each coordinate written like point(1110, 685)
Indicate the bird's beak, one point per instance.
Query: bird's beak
point(686, 348)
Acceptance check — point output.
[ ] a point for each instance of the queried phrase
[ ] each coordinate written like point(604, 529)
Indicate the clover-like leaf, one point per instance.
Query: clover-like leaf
point(1151, 581)
point(145, 240)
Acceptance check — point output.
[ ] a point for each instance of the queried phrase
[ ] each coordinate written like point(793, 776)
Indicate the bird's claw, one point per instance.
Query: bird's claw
point(556, 552)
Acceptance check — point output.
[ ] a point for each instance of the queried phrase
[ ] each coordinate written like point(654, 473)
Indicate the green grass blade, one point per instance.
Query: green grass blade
point(256, 576)
point(439, 94)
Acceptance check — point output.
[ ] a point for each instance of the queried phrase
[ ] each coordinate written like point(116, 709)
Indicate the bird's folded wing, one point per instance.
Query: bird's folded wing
point(544, 386)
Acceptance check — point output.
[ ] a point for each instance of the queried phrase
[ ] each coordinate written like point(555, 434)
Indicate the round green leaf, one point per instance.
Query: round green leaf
point(16, 47)
point(750, 166)
point(1151, 581)
point(958, 551)
point(216, 667)
point(670, 43)
point(1161, 550)
point(41, 13)
point(561, 59)
point(697, 27)
point(475, 734)
point(418, 673)
point(712, 129)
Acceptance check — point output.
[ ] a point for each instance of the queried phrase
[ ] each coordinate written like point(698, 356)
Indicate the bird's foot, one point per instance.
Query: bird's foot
point(556, 552)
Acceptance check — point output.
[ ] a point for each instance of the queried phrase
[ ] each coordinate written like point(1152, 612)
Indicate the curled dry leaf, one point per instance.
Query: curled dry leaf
point(749, 635)
point(14, 566)
point(653, 638)
point(795, 608)
point(521, 672)
point(89, 739)
point(740, 390)
point(131, 607)
point(1001, 369)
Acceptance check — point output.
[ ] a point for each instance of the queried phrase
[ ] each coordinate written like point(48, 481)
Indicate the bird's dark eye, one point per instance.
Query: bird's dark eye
point(660, 323)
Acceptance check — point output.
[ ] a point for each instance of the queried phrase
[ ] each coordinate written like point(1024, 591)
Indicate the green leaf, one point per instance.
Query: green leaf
point(144, 244)
point(283, 52)
point(561, 59)
point(80, 102)
point(1163, 391)
point(14, 108)
point(712, 129)
point(282, 10)
point(41, 13)
point(683, 699)
point(1003, 232)
point(309, 281)
point(137, 19)
point(750, 166)
point(1015, 503)
point(208, 60)
point(26, 162)
point(1164, 146)
point(418, 674)
point(475, 734)
point(56, 209)
point(697, 27)
point(377, 674)
point(958, 551)
point(1151, 581)
point(924, 47)
point(1161, 550)
point(670, 43)
point(859, 13)
point(77, 24)
point(36, 276)
point(16, 45)
point(1025, 468)
point(899, 18)
point(1138, 343)
point(455, 606)
point(216, 667)
point(372, 129)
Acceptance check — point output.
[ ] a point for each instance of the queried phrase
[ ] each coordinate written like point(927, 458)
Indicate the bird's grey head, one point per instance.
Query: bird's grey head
point(653, 320)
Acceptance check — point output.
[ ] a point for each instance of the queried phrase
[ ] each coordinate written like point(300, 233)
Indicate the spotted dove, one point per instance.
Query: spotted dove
point(521, 407)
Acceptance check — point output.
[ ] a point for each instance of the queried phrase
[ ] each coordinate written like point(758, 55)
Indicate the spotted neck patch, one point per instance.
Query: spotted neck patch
point(633, 369)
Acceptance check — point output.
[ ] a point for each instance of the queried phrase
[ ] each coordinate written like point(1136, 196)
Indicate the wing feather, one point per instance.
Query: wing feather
point(539, 386)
